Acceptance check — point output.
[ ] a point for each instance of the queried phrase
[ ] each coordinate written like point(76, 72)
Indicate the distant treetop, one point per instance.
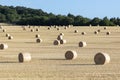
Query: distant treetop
point(28, 16)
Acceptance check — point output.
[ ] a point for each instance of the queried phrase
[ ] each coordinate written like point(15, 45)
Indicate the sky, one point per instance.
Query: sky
point(85, 8)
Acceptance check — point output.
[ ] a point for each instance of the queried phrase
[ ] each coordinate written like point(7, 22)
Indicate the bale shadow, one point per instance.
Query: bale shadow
point(78, 64)
point(51, 59)
point(30, 42)
point(9, 62)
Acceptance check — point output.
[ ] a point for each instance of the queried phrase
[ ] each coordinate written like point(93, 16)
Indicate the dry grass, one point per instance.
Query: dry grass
point(48, 61)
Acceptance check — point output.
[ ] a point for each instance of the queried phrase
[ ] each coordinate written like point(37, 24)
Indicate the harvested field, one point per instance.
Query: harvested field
point(48, 61)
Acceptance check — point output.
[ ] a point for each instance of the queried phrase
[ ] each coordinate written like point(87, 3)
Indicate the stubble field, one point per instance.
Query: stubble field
point(48, 60)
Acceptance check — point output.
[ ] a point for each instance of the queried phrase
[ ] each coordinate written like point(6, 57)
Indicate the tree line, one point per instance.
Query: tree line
point(27, 16)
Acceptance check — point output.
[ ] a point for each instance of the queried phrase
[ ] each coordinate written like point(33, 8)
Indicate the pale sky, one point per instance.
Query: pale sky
point(85, 8)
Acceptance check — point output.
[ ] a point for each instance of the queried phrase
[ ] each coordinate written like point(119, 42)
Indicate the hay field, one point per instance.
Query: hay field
point(48, 61)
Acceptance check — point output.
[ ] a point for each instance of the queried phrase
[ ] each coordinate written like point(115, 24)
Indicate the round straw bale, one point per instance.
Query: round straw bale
point(29, 26)
point(38, 40)
point(32, 30)
point(49, 28)
point(37, 35)
point(24, 57)
point(69, 26)
point(105, 28)
point(56, 42)
point(76, 31)
point(60, 37)
point(96, 32)
point(90, 25)
point(108, 33)
point(7, 35)
point(58, 28)
point(24, 28)
point(1, 27)
point(55, 26)
point(63, 41)
point(117, 26)
point(83, 33)
point(101, 58)
point(69, 55)
point(62, 34)
point(10, 37)
point(65, 27)
point(3, 46)
point(98, 25)
point(37, 29)
point(82, 44)
point(4, 30)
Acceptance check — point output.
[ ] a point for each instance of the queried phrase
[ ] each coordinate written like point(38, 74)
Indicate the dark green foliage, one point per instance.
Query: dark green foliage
point(2, 18)
point(96, 21)
point(106, 22)
point(27, 16)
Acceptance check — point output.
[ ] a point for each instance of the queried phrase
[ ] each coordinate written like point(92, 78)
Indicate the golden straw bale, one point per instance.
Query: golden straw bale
point(10, 37)
point(83, 33)
point(32, 30)
point(4, 30)
point(58, 29)
point(37, 35)
point(63, 41)
point(56, 42)
point(69, 55)
point(3, 46)
point(105, 28)
point(38, 40)
point(62, 34)
point(7, 35)
point(82, 44)
point(101, 58)
point(76, 31)
point(99, 30)
point(49, 28)
point(108, 33)
point(60, 37)
point(37, 29)
point(96, 32)
point(24, 57)
point(65, 27)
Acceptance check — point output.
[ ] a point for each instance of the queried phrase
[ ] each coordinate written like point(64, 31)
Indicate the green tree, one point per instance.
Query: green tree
point(24, 16)
point(81, 21)
point(95, 21)
point(105, 22)
point(2, 18)
point(77, 20)
point(71, 16)
point(67, 21)
point(118, 21)
point(114, 20)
